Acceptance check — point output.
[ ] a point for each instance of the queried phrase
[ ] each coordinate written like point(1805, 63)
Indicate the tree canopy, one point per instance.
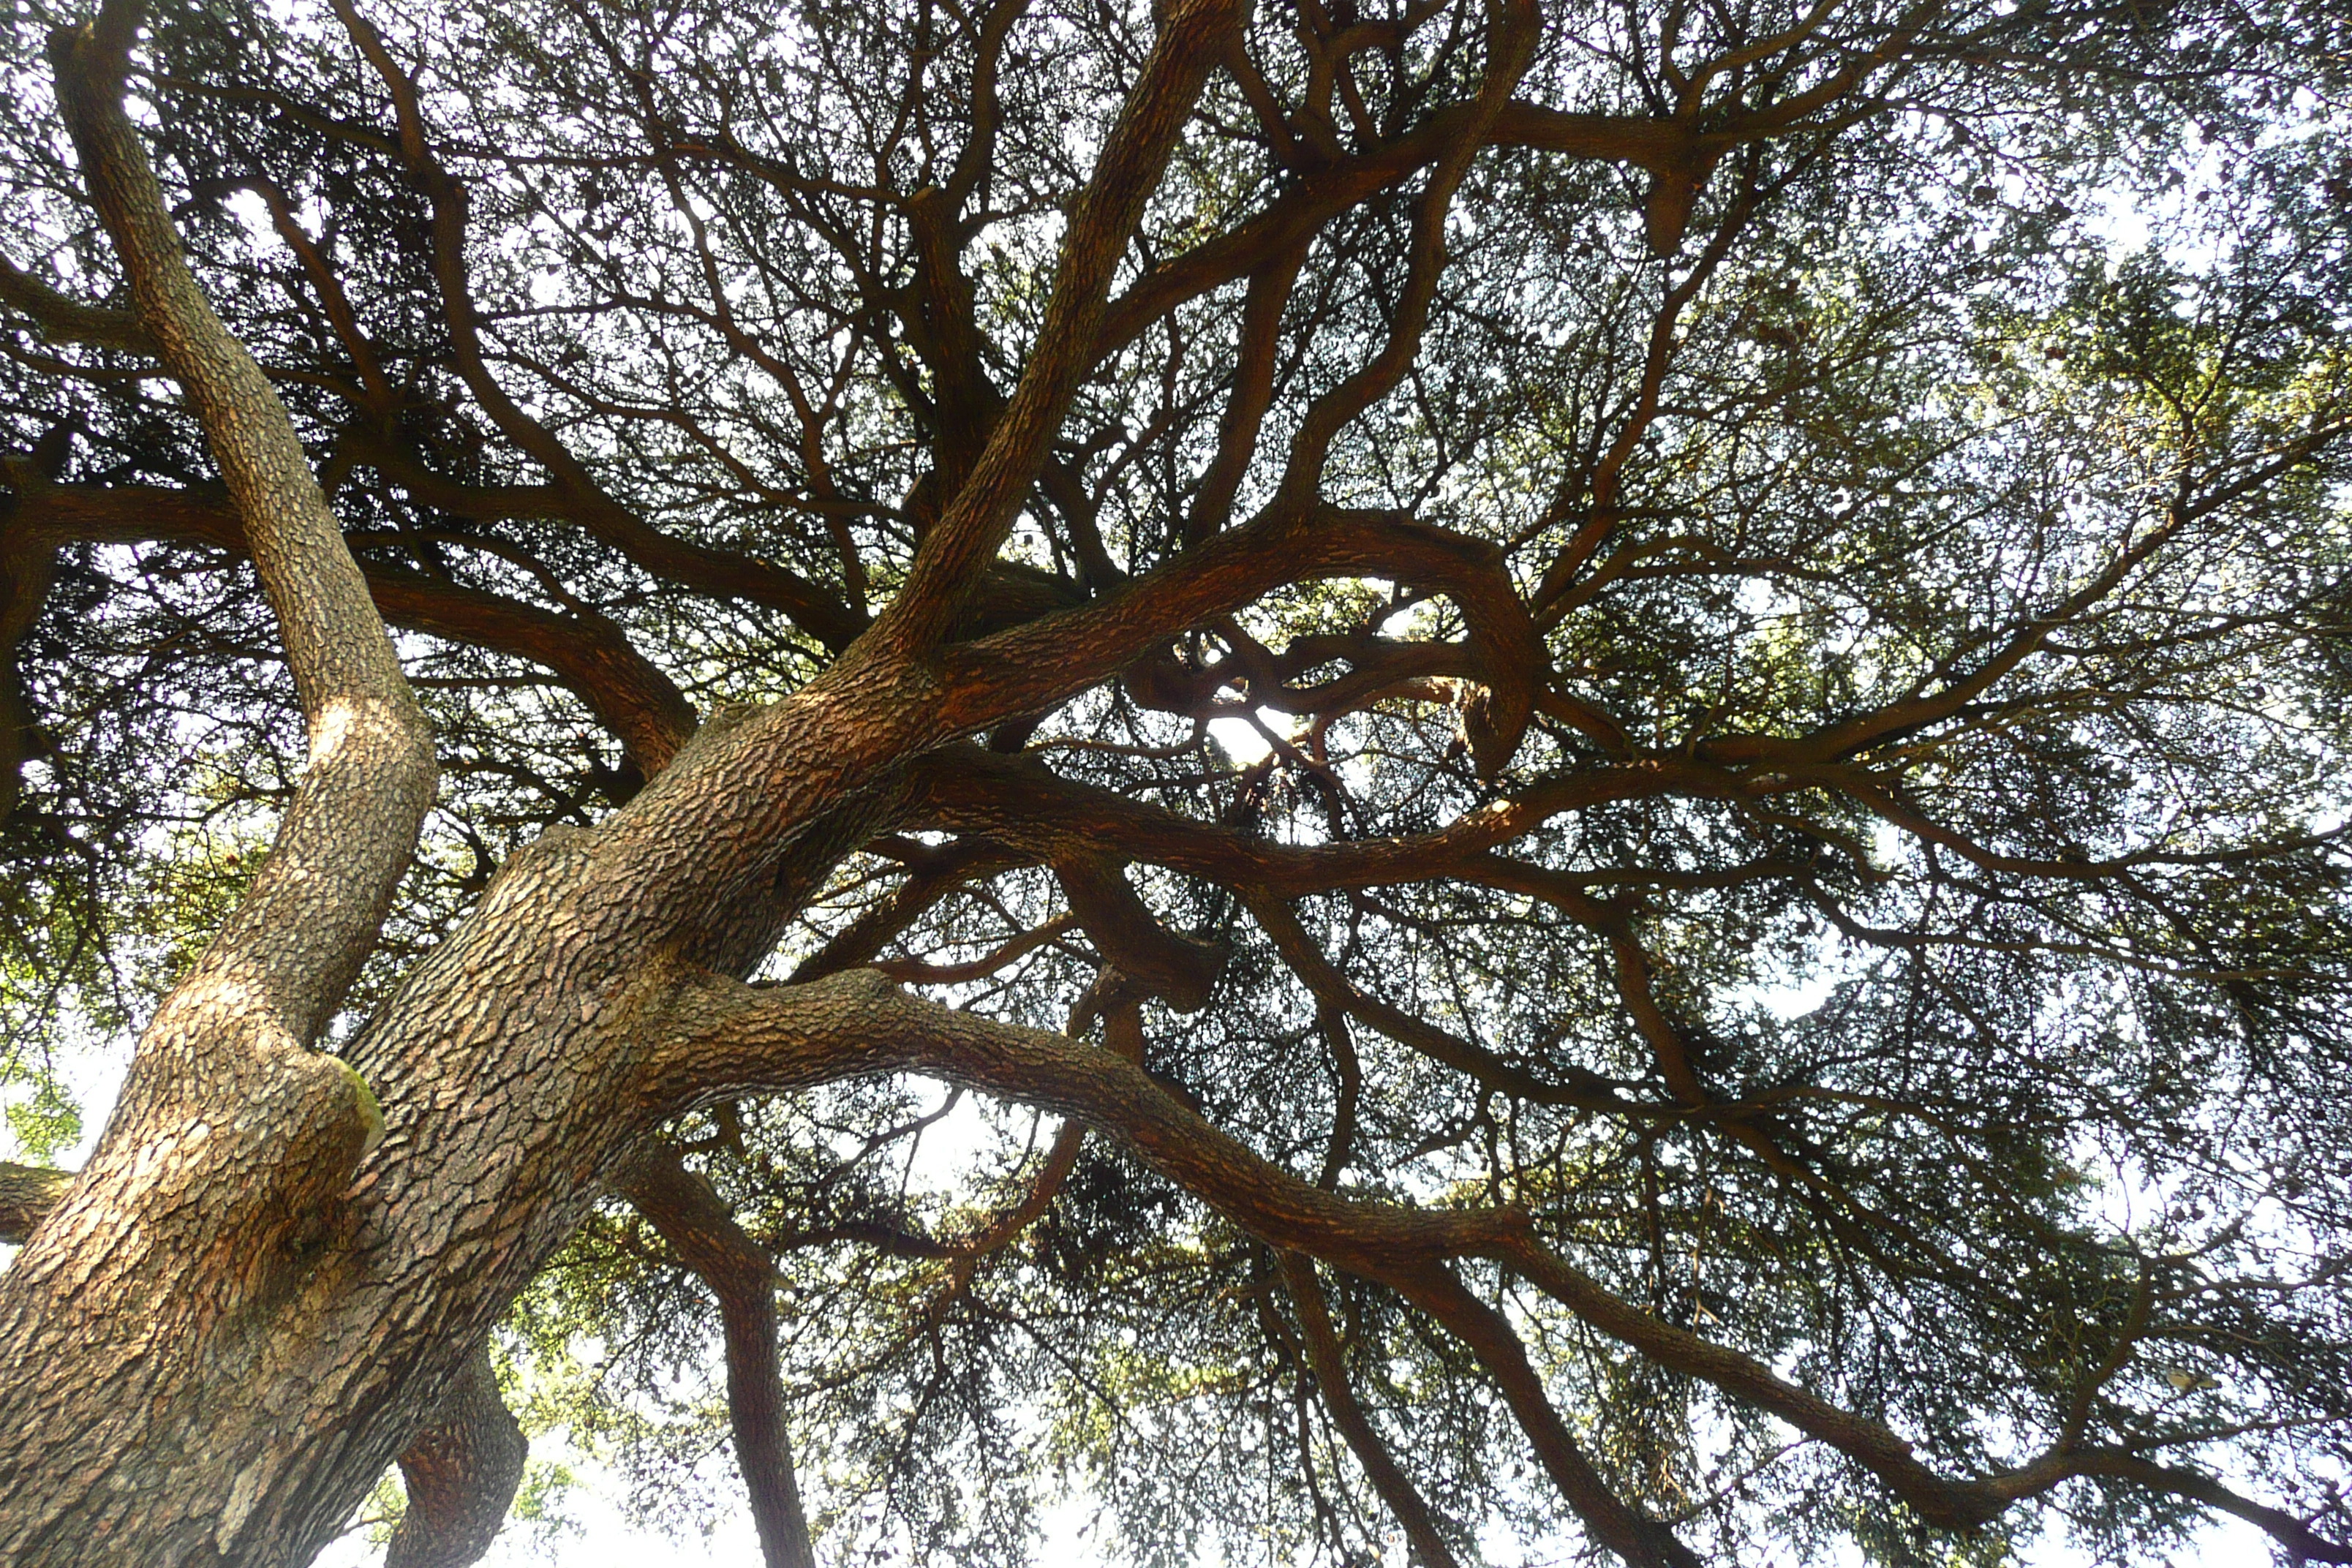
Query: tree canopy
point(1561, 776)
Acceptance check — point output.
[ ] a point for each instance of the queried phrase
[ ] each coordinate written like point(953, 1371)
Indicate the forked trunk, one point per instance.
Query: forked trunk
point(187, 1387)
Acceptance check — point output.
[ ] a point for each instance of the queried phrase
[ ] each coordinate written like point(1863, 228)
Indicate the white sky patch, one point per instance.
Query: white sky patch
point(1794, 1000)
point(949, 1152)
point(1241, 738)
point(91, 1072)
point(607, 1538)
point(252, 214)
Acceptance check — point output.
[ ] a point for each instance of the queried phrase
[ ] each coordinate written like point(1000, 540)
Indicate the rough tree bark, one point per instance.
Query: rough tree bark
point(261, 1288)
point(276, 1275)
point(461, 1471)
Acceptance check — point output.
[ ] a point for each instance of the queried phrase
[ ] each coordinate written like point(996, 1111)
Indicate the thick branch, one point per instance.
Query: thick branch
point(1134, 156)
point(1017, 801)
point(718, 1039)
point(1396, 1488)
point(1034, 665)
point(63, 320)
point(629, 693)
point(312, 912)
point(1638, 1539)
point(225, 1097)
point(461, 1471)
point(1180, 970)
point(691, 1218)
point(27, 1192)
point(857, 727)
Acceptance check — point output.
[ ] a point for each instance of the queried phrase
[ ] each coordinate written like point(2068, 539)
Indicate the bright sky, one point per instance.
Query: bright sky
point(607, 1541)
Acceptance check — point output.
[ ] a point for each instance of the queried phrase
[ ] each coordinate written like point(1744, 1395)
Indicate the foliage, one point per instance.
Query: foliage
point(1917, 948)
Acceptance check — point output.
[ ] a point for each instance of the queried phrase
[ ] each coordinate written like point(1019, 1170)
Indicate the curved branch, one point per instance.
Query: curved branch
point(1633, 1535)
point(2302, 1543)
point(1180, 970)
point(690, 1217)
point(860, 722)
point(1511, 34)
point(461, 1471)
point(1951, 1504)
point(1018, 801)
point(64, 319)
point(715, 1039)
point(1037, 665)
point(1102, 226)
point(311, 914)
point(1674, 154)
point(629, 693)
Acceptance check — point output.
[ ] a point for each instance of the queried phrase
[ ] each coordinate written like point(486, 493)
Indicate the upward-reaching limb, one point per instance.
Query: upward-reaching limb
point(222, 1162)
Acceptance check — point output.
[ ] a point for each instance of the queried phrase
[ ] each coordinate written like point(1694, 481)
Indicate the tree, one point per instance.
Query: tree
point(1616, 733)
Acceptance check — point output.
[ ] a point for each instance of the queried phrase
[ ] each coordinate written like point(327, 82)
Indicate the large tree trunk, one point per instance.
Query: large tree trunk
point(277, 1273)
point(259, 1291)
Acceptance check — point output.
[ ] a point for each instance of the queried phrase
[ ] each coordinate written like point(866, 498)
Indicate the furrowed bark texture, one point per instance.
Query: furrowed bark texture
point(461, 1473)
point(222, 1336)
point(266, 1288)
point(27, 1192)
point(141, 1331)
